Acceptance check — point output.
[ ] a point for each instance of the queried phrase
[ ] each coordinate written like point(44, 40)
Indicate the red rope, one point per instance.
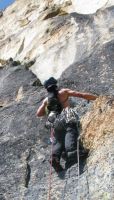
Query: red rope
point(50, 173)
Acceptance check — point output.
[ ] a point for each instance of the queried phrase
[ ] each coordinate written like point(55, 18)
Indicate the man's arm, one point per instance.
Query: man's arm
point(41, 110)
point(83, 95)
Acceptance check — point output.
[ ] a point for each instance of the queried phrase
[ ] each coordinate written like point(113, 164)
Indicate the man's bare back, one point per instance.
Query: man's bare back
point(63, 96)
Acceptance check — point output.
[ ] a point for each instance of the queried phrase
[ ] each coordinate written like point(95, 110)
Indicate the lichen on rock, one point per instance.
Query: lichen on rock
point(98, 123)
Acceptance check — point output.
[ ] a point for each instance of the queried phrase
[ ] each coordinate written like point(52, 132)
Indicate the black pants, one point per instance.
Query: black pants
point(66, 141)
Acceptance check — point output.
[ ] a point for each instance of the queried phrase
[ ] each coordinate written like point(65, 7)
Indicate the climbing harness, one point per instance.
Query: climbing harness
point(50, 173)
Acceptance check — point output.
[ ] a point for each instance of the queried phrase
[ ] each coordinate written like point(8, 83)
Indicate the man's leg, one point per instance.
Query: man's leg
point(56, 155)
point(71, 144)
point(58, 147)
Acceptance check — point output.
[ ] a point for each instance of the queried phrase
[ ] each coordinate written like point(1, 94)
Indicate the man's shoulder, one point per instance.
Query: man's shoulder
point(45, 100)
point(62, 90)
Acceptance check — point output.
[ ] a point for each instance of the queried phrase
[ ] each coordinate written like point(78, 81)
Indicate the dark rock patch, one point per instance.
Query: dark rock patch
point(93, 74)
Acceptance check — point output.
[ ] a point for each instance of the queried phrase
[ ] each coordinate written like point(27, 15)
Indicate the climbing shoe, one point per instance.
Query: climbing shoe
point(56, 165)
point(71, 159)
point(64, 155)
point(70, 163)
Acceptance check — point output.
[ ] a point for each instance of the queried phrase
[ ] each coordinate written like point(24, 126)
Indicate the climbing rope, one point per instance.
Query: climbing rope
point(78, 157)
point(87, 171)
point(78, 161)
point(78, 150)
point(50, 173)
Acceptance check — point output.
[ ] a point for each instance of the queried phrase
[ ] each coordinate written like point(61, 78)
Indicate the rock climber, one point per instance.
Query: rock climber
point(63, 120)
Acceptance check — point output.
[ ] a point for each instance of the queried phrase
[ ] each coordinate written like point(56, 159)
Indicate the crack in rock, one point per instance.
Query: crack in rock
point(28, 172)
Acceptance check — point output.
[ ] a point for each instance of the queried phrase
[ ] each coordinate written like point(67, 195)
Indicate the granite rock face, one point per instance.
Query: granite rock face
point(49, 38)
point(97, 134)
point(20, 131)
point(25, 146)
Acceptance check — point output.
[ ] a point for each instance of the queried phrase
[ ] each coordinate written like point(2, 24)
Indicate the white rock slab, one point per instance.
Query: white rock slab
point(88, 6)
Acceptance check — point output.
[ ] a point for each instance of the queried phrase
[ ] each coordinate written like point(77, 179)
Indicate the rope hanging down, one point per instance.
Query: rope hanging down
point(78, 162)
point(78, 157)
point(50, 173)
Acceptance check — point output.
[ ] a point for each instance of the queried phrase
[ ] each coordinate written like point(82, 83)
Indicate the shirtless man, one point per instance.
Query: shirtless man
point(63, 96)
point(66, 134)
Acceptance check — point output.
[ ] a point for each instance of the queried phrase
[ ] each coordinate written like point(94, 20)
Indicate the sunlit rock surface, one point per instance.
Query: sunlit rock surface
point(53, 34)
point(90, 7)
